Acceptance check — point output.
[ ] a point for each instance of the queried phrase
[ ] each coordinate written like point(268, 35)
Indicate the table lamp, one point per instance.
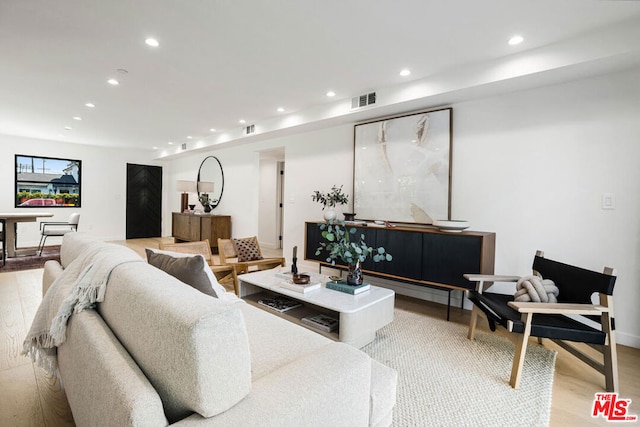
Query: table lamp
point(205, 187)
point(185, 187)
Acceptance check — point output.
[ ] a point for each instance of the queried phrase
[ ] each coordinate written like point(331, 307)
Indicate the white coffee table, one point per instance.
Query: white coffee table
point(360, 316)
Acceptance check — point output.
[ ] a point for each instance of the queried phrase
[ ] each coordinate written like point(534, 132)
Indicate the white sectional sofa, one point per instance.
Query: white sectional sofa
point(157, 352)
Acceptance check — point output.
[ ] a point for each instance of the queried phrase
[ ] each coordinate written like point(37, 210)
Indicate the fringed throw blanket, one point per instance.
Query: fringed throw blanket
point(80, 286)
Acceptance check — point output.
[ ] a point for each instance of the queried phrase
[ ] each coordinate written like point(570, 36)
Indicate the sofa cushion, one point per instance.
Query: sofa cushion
point(102, 382)
point(327, 387)
point(193, 349)
point(276, 342)
point(247, 249)
point(383, 393)
point(191, 269)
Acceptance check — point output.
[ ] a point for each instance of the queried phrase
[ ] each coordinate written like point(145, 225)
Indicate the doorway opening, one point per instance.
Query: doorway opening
point(271, 203)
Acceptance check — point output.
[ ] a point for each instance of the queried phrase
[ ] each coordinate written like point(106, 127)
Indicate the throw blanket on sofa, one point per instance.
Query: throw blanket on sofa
point(79, 286)
point(536, 289)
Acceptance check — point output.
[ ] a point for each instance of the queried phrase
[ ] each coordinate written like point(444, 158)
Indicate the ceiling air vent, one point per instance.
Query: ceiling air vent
point(363, 100)
point(250, 129)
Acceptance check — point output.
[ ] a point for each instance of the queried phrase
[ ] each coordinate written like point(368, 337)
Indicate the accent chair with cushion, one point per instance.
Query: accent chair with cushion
point(225, 274)
point(574, 318)
point(246, 251)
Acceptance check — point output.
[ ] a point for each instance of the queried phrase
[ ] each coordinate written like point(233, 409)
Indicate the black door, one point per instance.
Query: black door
point(144, 201)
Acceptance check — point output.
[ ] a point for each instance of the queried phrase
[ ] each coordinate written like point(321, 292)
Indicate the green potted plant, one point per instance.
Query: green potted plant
point(330, 199)
point(343, 243)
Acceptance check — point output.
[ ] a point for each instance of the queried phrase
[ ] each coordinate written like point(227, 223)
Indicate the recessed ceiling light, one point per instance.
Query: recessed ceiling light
point(170, 143)
point(90, 105)
point(68, 128)
point(155, 148)
point(189, 137)
point(113, 82)
point(405, 72)
point(152, 42)
point(242, 121)
point(331, 93)
point(280, 110)
point(78, 118)
point(212, 130)
point(516, 40)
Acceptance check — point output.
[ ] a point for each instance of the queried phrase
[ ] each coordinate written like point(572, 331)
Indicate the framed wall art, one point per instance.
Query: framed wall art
point(47, 182)
point(402, 168)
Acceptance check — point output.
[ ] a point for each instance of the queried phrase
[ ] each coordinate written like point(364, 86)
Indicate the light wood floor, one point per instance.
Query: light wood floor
point(29, 397)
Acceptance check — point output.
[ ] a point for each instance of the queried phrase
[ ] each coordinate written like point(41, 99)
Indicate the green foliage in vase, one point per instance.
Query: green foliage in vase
point(342, 243)
point(332, 198)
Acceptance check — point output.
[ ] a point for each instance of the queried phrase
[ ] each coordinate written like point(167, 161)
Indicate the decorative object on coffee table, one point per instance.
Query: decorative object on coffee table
point(339, 244)
point(300, 279)
point(343, 286)
point(294, 261)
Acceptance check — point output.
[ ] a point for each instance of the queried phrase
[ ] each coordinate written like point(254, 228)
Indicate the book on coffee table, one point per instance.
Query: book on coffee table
point(300, 288)
point(322, 322)
point(280, 304)
point(348, 289)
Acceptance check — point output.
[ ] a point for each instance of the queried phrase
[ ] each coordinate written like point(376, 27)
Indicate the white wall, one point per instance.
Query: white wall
point(104, 176)
point(530, 166)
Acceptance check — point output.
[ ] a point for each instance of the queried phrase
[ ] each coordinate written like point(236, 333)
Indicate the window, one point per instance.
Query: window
point(47, 182)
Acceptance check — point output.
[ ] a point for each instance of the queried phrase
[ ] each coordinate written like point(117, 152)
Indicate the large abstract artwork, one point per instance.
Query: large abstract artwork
point(402, 168)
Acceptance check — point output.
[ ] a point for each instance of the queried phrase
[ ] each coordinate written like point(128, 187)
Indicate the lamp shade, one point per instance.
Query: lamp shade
point(205, 186)
point(186, 186)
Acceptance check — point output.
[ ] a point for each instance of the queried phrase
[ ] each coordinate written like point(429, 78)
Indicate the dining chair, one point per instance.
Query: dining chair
point(57, 229)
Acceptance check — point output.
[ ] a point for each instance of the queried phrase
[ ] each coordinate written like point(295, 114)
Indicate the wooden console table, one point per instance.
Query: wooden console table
point(187, 227)
point(421, 256)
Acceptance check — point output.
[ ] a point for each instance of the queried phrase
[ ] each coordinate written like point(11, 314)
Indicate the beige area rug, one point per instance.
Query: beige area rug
point(446, 380)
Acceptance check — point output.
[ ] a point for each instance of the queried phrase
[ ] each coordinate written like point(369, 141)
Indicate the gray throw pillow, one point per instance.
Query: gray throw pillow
point(190, 269)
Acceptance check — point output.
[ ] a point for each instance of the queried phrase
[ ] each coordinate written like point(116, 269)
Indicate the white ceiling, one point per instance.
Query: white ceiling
point(223, 60)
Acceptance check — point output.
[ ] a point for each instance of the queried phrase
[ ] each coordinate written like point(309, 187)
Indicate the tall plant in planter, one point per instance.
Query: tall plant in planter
point(344, 244)
point(330, 199)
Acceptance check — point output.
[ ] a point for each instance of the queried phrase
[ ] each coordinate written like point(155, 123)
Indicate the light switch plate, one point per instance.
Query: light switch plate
point(608, 201)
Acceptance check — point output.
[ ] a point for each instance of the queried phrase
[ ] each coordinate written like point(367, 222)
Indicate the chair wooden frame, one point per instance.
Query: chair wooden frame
point(228, 256)
point(530, 320)
point(223, 273)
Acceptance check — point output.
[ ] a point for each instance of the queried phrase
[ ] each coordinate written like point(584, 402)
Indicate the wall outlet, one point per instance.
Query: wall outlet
point(608, 201)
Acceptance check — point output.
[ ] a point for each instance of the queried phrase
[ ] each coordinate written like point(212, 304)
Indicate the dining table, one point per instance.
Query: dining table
point(11, 222)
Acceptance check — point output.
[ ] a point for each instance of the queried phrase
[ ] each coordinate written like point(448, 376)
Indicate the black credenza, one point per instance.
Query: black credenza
point(421, 256)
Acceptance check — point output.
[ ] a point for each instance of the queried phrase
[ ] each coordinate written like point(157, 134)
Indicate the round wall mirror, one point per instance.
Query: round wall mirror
point(210, 183)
